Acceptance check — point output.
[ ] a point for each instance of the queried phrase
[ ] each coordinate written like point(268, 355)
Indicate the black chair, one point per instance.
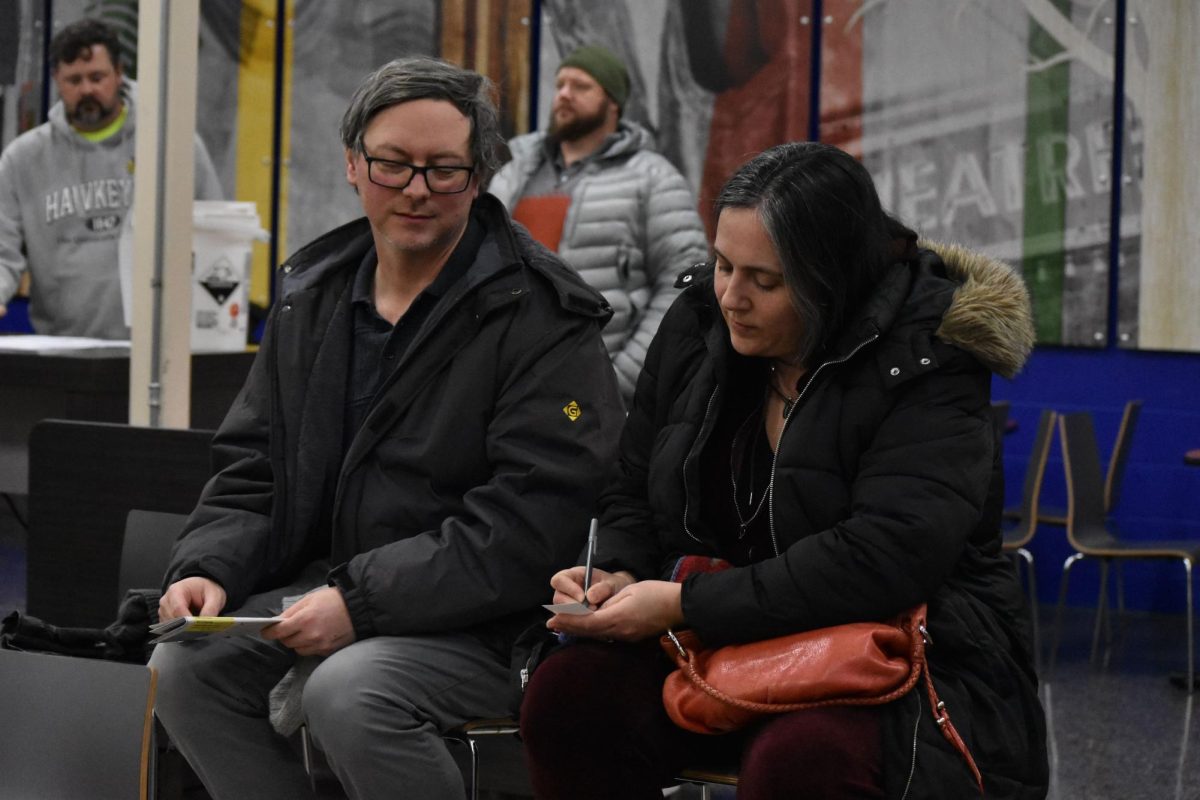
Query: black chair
point(146, 548)
point(1114, 477)
point(1020, 534)
point(1090, 534)
point(500, 731)
point(84, 477)
point(75, 727)
point(473, 733)
point(708, 779)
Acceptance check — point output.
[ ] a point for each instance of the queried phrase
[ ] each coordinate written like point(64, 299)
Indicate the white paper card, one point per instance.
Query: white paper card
point(182, 629)
point(568, 608)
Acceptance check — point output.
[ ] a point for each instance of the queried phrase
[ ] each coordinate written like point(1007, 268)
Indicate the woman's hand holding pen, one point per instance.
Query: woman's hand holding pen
point(626, 610)
point(568, 585)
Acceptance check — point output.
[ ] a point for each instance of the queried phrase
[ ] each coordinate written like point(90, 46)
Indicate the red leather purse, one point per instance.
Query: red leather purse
point(723, 689)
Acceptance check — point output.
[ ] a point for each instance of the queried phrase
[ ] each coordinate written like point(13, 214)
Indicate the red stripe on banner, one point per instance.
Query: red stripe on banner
point(842, 76)
point(766, 50)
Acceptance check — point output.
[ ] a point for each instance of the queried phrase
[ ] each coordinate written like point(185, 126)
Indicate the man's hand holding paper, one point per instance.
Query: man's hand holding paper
point(195, 595)
point(316, 625)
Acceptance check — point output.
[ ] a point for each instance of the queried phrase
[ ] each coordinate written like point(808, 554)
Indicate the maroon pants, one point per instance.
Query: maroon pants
point(594, 727)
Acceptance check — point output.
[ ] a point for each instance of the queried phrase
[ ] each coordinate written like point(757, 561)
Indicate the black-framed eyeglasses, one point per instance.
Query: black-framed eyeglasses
point(441, 179)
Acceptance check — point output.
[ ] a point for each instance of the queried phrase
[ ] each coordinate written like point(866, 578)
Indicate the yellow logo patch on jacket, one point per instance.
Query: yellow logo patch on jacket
point(573, 411)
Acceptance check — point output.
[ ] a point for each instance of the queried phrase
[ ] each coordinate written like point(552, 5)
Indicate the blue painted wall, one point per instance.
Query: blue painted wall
point(17, 318)
point(1160, 497)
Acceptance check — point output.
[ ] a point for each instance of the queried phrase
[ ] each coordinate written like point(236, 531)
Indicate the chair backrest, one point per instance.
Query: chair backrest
point(1120, 455)
point(1031, 492)
point(1085, 483)
point(75, 727)
point(146, 550)
point(84, 477)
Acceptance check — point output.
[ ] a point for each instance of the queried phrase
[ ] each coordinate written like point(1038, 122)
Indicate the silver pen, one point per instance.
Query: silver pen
point(591, 551)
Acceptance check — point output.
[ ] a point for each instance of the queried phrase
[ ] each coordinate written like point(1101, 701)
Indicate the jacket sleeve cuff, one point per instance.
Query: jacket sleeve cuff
point(687, 566)
point(356, 602)
point(702, 612)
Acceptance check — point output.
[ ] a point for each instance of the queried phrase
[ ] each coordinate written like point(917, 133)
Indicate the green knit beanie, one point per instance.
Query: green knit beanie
point(603, 65)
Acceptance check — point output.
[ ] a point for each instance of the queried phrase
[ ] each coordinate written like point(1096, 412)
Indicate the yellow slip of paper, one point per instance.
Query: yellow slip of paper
point(182, 629)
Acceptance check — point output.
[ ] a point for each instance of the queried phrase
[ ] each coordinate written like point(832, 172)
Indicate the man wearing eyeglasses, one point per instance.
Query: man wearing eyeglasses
point(417, 449)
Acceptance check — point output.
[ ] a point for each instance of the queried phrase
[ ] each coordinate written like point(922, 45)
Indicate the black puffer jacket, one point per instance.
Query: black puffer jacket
point(886, 493)
point(474, 473)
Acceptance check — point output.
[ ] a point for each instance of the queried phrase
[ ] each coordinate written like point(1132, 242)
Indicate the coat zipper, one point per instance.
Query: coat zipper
point(786, 420)
point(687, 497)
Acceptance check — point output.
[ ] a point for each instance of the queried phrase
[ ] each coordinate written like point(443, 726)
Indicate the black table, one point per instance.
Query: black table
point(93, 385)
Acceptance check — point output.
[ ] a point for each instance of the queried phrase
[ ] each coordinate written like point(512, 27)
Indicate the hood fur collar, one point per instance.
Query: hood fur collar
point(990, 316)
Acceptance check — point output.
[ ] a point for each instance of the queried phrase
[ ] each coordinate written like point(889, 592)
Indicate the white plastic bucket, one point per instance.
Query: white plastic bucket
point(222, 237)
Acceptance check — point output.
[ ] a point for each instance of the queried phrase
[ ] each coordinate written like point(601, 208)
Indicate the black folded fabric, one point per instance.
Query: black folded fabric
point(126, 639)
point(21, 632)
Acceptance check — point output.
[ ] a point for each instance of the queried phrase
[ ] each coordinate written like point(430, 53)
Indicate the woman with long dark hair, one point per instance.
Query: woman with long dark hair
point(811, 444)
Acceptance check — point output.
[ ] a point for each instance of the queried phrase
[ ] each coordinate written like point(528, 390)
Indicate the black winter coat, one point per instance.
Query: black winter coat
point(476, 469)
point(886, 492)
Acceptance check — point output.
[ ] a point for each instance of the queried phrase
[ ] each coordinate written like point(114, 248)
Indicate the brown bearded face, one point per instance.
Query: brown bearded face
point(580, 106)
point(89, 111)
point(567, 127)
point(90, 88)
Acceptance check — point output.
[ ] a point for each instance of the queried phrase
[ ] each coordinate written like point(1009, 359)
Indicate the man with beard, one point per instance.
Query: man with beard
point(66, 188)
point(592, 189)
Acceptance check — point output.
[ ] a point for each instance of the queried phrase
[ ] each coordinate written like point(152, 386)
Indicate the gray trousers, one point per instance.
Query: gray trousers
point(376, 708)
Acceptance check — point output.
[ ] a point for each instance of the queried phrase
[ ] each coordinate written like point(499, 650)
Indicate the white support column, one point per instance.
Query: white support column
point(160, 366)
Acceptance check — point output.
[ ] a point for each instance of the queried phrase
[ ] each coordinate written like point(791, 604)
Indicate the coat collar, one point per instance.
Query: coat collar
point(504, 248)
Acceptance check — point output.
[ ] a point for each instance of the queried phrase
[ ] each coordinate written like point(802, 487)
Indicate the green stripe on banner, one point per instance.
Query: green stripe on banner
point(1047, 101)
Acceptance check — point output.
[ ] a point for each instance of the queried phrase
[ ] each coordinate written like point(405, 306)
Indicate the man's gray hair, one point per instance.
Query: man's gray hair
point(422, 78)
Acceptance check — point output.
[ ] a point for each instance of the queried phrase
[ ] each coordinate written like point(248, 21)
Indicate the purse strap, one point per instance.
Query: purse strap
point(941, 715)
point(918, 667)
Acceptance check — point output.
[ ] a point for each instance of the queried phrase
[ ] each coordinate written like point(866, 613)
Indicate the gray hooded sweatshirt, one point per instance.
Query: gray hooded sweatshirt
point(65, 199)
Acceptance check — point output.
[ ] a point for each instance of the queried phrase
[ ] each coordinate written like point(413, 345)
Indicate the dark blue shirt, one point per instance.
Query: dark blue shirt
point(377, 345)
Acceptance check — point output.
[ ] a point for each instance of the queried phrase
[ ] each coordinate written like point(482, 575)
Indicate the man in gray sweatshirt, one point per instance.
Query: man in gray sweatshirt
point(67, 185)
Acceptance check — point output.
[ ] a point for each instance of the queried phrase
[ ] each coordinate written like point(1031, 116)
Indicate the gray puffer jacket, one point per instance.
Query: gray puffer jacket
point(631, 229)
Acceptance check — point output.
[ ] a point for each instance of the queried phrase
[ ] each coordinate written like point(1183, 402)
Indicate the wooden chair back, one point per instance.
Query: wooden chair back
point(1035, 470)
point(1086, 524)
point(1115, 476)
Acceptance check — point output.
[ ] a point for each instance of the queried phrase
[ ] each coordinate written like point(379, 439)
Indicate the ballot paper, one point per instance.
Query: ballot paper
point(568, 608)
point(182, 629)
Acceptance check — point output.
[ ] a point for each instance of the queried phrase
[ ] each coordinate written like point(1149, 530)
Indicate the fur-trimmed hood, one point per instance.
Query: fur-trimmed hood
point(990, 316)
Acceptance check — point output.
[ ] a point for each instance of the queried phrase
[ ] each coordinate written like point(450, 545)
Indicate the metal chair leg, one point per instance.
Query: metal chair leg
point(1120, 589)
point(1033, 606)
point(474, 793)
point(1101, 607)
point(1180, 772)
point(1191, 644)
point(306, 751)
point(1062, 596)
